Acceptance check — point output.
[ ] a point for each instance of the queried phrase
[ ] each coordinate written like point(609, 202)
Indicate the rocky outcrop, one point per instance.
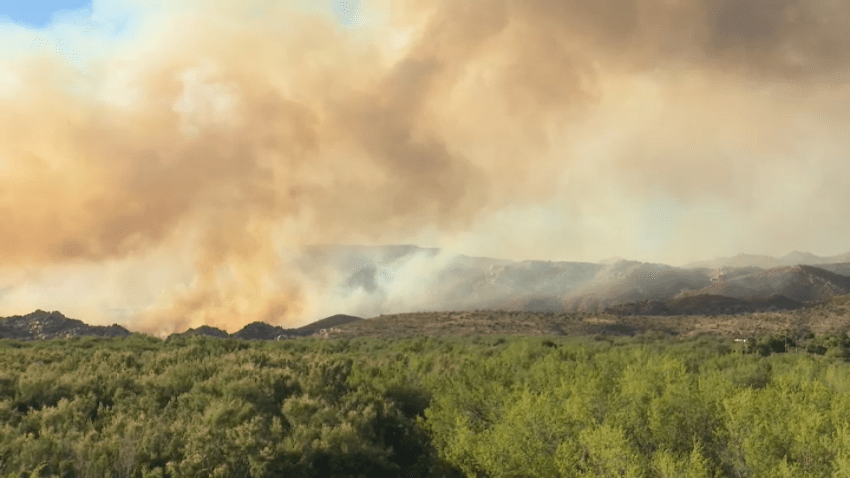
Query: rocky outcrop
point(41, 325)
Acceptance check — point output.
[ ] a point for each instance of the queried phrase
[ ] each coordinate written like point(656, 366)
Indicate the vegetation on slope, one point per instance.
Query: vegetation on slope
point(421, 407)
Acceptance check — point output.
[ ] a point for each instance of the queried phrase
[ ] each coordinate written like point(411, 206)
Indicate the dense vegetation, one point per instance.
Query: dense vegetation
point(442, 407)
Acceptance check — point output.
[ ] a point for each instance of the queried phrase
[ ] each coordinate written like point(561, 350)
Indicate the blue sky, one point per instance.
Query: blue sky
point(37, 13)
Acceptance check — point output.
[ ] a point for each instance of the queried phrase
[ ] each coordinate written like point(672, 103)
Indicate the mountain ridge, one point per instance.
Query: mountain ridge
point(467, 283)
point(459, 282)
point(766, 262)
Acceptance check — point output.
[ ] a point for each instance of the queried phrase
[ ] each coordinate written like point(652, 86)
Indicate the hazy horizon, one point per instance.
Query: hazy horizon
point(162, 156)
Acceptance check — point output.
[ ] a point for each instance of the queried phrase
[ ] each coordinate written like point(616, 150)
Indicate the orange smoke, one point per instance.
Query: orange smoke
point(234, 133)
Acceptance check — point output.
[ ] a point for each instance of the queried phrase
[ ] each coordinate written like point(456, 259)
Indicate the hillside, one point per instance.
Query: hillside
point(398, 279)
point(767, 262)
point(41, 325)
point(831, 316)
point(842, 268)
point(705, 305)
point(799, 283)
point(699, 315)
point(629, 281)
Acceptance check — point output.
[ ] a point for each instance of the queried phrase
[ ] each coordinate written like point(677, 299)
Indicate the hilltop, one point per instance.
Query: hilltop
point(264, 331)
point(41, 325)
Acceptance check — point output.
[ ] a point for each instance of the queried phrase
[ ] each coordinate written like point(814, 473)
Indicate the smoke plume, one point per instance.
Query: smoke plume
point(176, 169)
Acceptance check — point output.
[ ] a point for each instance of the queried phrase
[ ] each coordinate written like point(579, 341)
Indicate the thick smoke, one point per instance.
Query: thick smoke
point(190, 159)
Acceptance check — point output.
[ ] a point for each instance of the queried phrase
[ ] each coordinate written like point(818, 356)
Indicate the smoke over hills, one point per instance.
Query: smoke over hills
point(382, 283)
point(372, 281)
point(174, 171)
point(801, 283)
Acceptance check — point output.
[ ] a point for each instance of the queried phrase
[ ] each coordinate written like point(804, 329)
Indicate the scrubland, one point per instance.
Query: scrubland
point(474, 405)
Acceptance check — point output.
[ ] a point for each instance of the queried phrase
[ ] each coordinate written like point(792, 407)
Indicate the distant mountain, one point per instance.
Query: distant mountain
point(797, 257)
point(527, 285)
point(629, 281)
point(534, 286)
point(369, 281)
point(799, 283)
point(740, 260)
point(842, 268)
point(611, 260)
point(767, 262)
point(839, 258)
point(41, 325)
point(447, 282)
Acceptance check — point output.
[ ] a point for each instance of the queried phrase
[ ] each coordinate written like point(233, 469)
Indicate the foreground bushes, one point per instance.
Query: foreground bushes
point(478, 407)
